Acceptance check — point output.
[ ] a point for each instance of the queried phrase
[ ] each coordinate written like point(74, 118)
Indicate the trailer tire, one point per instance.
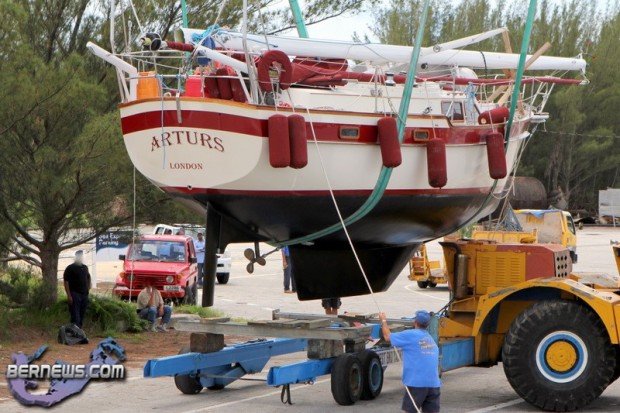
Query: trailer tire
point(373, 374)
point(422, 284)
point(346, 379)
point(557, 355)
point(187, 383)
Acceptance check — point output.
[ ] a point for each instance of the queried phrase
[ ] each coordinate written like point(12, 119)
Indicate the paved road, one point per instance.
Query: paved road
point(255, 296)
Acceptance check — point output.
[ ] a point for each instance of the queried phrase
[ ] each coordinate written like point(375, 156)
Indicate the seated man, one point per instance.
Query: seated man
point(151, 307)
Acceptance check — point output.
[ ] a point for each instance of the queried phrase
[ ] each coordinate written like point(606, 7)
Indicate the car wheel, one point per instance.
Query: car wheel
point(223, 277)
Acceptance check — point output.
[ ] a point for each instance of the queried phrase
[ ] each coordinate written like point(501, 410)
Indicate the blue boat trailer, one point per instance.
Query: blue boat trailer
point(337, 350)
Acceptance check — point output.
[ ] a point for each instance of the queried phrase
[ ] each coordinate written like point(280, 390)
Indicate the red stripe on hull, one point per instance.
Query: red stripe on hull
point(325, 131)
point(315, 193)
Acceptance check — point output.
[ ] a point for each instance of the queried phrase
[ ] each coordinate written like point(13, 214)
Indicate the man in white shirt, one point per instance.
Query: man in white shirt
point(151, 307)
point(200, 256)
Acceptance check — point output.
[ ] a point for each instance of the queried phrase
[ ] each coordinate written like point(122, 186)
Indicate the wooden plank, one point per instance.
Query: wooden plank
point(285, 323)
point(266, 330)
point(310, 324)
point(359, 316)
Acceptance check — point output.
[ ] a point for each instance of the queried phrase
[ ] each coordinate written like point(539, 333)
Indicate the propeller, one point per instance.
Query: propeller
point(253, 255)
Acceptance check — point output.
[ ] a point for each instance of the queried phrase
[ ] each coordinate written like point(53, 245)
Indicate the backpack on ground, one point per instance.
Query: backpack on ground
point(71, 334)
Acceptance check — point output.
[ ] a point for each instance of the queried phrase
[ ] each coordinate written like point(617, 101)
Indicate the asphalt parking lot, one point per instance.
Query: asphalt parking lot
point(255, 296)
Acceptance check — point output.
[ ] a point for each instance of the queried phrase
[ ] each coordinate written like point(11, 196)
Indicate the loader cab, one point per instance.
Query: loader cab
point(553, 226)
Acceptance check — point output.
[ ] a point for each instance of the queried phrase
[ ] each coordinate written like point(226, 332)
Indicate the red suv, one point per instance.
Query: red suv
point(168, 260)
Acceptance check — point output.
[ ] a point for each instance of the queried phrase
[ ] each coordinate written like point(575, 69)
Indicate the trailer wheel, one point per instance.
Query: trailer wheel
point(422, 284)
point(557, 356)
point(373, 374)
point(187, 383)
point(347, 379)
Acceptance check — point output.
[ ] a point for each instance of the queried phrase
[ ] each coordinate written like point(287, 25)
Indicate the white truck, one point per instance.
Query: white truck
point(224, 259)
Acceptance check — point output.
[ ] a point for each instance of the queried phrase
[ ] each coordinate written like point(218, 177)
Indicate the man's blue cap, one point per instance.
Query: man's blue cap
point(423, 318)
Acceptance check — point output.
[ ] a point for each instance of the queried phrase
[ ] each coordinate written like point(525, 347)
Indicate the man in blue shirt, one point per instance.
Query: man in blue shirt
point(287, 266)
point(420, 364)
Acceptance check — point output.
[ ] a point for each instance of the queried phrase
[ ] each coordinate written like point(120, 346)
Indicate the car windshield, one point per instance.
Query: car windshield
point(171, 251)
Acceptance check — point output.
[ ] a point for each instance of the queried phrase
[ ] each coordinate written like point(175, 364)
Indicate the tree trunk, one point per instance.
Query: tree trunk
point(49, 270)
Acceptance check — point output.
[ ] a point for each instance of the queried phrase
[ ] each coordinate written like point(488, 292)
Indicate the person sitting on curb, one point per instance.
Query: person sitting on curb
point(151, 307)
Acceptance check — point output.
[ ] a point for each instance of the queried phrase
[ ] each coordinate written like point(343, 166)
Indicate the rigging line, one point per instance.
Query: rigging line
point(135, 15)
point(133, 235)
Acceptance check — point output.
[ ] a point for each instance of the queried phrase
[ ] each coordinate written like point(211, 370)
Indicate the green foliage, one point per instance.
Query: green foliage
point(204, 312)
point(110, 314)
point(19, 288)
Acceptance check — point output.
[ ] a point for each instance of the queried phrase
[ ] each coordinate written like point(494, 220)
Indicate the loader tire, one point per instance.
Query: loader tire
point(422, 284)
point(617, 369)
point(557, 356)
point(187, 383)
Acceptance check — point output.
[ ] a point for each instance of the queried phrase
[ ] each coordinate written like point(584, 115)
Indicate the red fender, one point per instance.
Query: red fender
point(223, 83)
point(388, 140)
point(496, 155)
point(494, 116)
point(279, 146)
point(264, 64)
point(436, 161)
point(211, 89)
point(298, 140)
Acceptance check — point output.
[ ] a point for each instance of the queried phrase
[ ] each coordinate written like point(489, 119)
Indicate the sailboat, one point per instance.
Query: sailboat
point(286, 141)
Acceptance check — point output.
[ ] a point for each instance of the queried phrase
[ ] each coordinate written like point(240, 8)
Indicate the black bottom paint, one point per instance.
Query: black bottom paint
point(384, 239)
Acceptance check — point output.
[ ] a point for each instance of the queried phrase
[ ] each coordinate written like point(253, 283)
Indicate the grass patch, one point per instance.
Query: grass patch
point(204, 312)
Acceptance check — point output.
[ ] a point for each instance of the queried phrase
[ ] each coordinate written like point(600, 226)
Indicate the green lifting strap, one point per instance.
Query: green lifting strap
point(520, 69)
point(515, 93)
point(299, 19)
point(184, 12)
point(386, 173)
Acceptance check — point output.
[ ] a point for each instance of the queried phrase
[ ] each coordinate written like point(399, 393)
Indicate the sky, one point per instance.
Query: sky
point(339, 28)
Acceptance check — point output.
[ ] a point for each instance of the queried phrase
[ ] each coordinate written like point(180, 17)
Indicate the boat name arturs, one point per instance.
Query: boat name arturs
point(186, 165)
point(180, 137)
